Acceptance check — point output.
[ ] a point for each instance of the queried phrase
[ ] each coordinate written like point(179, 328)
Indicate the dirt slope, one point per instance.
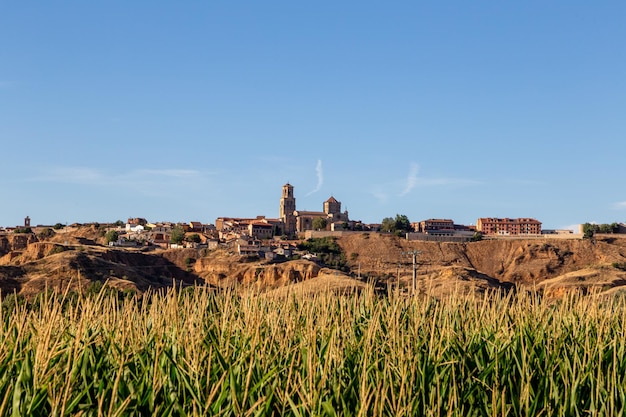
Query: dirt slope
point(519, 262)
point(75, 258)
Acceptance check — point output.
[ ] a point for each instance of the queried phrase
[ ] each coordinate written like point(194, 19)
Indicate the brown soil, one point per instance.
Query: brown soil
point(77, 257)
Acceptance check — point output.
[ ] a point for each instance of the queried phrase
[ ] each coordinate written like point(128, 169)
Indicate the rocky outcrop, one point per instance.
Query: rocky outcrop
point(15, 242)
point(224, 272)
point(30, 253)
point(516, 260)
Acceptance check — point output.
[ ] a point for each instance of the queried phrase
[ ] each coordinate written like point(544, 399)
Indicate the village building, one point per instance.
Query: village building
point(508, 227)
point(137, 221)
point(435, 226)
point(297, 221)
point(258, 227)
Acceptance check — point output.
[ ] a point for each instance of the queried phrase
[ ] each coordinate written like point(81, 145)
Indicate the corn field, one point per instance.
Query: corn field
point(196, 352)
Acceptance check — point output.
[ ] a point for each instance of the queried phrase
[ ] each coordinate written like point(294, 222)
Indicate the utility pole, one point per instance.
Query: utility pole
point(414, 254)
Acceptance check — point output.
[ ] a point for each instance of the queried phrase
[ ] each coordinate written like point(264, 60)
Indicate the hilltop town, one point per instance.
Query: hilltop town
point(266, 236)
point(298, 246)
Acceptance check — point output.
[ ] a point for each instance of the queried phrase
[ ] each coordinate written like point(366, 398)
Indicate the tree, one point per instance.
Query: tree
point(195, 238)
point(400, 223)
point(319, 223)
point(589, 230)
point(46, 233)
point(119, 223)
point(111, 236)
point(388, 225)
point(403, 223)
point(178, 235)
point(58, 226)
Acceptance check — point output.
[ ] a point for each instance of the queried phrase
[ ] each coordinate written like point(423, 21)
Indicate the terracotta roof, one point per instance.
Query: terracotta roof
point(261, 224)
point(332, 200)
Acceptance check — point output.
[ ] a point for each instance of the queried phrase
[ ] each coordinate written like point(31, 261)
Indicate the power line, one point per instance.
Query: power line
point(414, 254)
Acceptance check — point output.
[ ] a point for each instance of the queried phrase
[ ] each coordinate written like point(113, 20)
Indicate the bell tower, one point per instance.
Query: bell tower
point(287, 207)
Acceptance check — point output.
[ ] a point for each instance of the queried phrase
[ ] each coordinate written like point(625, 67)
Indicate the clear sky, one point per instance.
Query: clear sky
point(193, 110)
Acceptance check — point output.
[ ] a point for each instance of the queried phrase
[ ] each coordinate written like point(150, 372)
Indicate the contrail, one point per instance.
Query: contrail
point(320, 177)
point(411, 180)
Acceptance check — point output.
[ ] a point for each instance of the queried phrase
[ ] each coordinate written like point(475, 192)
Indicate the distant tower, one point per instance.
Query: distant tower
point(27, 222)
point(287, 207)
point(332, 206)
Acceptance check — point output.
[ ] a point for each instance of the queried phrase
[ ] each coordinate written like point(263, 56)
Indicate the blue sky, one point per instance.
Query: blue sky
point(199, 109)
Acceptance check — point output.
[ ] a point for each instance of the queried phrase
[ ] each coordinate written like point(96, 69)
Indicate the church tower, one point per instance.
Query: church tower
point(287, 207)
point(332, 206)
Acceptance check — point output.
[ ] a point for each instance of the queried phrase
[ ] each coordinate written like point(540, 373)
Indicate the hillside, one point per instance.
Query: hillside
point(30, 263)
point(520, 262)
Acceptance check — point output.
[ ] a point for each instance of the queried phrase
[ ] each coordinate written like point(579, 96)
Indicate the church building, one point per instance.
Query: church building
point(299, 221)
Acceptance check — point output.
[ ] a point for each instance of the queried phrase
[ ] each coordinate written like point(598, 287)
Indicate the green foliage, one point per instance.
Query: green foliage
point(477, 237)
point(327, 250)
point(178, 235)
point(388, 225)
point(23, 230)
point(399, 224)
point(619, 265)
point(119, 223)
point(57, 249)
point(590, 229)
point(46, 233)
point(111, 236)
point(320, 223)
point(12, 301)
point(403, 223)
point(195, 238)
point(58, 226)
point(321, 245)
point(194, 352)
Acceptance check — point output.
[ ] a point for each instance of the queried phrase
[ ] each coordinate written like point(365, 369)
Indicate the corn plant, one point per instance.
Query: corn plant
point(198, 352)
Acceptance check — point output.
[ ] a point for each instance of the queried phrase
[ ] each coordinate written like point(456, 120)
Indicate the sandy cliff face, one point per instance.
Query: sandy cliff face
point(15, 242)
point(517, 261)
point(224, 272)
point(29, 253)
point(508, 260)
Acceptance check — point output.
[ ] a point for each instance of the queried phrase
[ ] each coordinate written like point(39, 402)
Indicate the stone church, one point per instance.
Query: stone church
point(299, 221)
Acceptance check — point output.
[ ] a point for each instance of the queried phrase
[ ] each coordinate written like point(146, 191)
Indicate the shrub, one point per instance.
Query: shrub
point(111, 236)
point(327, 250)
point(56, 249)
point(46, 233)
point(195, 238)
